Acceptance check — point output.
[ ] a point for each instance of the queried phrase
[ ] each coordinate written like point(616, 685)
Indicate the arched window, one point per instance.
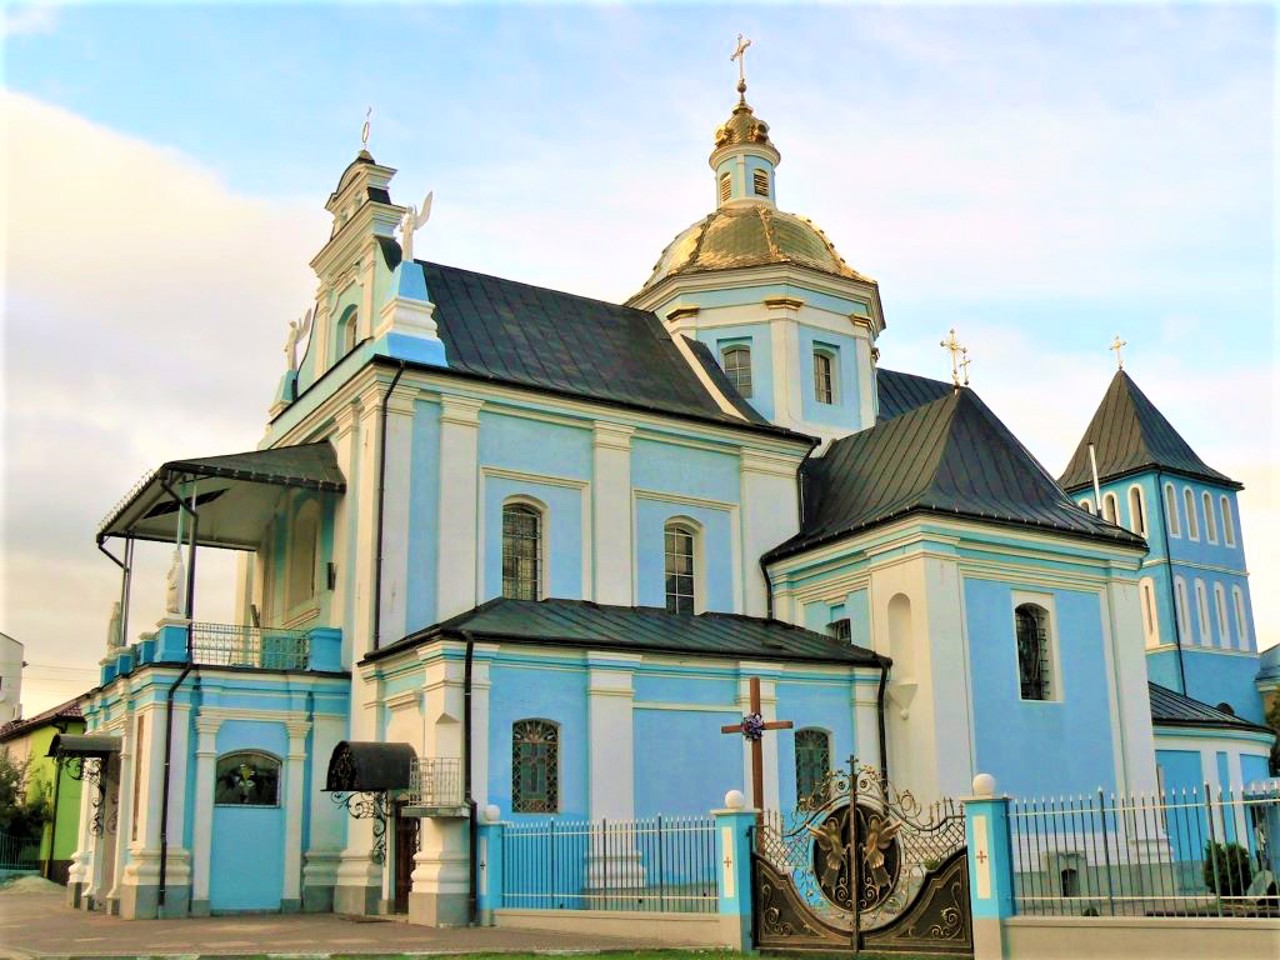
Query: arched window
point(347, 332)
point(737, 367)
point(726, 187)
point(247, 778)
point(1111, 508)
point(1183, 614)
point(1086, 504)
point(1202, 605)
point(304, 548)
point(1210, 524)
point(1034, 656)
point(1193, 523)
point(824, 383)
point(521, 551)
point(535, 766)
point(1137, 512)
point(1228, 522)
point(681, 573)
point(1242, 623)
point(1220, 604)
point(1150, 617)
point(1171, 511)
point(813, 762)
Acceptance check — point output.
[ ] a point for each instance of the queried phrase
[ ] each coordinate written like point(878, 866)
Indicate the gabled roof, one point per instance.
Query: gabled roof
point(900, 392)
point(62, 712)
point(1129, 435)
point(580, 623)
point(530, 336)
point(1172, 709)
point(951, 457)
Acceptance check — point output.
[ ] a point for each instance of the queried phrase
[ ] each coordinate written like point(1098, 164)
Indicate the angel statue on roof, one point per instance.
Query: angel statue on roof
point(298, 330)
point(414, 219)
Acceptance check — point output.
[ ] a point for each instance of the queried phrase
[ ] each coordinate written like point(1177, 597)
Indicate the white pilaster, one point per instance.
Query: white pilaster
point(770, 515)
point(1125, 646)
point(294, 801)
point(612, 748)
point(345, 441)
point(866, 723)
point(458, 586)
point(395, 519)
point(364, 543)
point(202, 846)
point(611, 513)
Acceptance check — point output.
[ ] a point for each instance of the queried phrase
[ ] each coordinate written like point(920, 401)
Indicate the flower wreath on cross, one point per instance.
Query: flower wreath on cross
point(753, 726)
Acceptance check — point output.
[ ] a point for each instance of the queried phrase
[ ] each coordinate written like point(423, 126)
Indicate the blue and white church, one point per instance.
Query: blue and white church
point(508, 547)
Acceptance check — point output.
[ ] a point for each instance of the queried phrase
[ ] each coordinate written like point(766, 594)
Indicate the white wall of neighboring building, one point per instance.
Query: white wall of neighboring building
point(10, 679)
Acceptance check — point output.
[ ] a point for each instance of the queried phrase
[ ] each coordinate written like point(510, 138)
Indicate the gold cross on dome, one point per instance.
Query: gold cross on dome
point(956, 349)
point(366, 129)
point(740, 54)
point(1117, 345)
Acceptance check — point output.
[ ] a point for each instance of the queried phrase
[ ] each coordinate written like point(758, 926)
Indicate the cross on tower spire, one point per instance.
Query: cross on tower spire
point(740, 54)
point(957, 351)
point(1117, 345)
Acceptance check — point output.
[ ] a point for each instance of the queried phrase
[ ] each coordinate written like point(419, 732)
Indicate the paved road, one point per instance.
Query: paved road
point(40, 924)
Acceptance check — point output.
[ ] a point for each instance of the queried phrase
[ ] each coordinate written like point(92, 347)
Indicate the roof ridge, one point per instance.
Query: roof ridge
point(534, 286)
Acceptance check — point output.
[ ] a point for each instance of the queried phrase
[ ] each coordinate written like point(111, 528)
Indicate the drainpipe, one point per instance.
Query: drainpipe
point(466, 778)
point(382, 478)
point(884, 755)
point(1173, 593)
point(172, 692)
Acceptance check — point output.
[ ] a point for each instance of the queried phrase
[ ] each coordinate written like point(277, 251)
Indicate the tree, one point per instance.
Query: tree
point(1227, 870)
point(1273, 721)
point(23, 814)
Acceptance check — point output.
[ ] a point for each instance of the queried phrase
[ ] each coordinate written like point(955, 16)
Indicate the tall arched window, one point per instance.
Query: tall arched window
point(824, 382)
point(1193, 524)
point(1228, 522)
point(681, 574)
point(1171, 511)
point(1137, 512)
point(521, 551)
point(347, 332)
point(535, 766)
point(1242, 623)
point(1202, 605)
point(1220, 603)
point(1150, 617)
point(1182, 613)
point(304, 547)
point(737, 367)
point(813, 762)
point(1111, 508)
point(1034, 656)
point(1210, 524)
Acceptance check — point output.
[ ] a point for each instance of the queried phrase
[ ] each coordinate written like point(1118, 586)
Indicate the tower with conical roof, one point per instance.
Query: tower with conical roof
point(791, 323)
point(1194, 590)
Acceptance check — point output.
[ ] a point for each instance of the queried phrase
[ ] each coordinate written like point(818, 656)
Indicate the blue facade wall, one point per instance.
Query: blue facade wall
point(1181, 774)
point(844, 410)
point(1253, 768)
point(1215, 678)
point(683, 763)
point(715, 540)
point(424, 520)
point(685, 471)
point(825, 706)
point(534, 446)
point(562, 533)
point(760, 341)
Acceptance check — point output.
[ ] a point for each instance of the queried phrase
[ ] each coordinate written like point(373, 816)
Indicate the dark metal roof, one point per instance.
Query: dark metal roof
point(530, 336)
point(83, 745)
point(235, 495)
point(952, 457)
point(900, 392)
point(1172, 709)
point(1130, 435)
point(369, 766)
point(579, 623)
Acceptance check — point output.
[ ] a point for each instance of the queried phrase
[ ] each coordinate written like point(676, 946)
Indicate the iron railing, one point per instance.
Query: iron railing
point(236, 645)
point(19, 853)
point(436, 782)
point(1192, 852)
point(659, 864)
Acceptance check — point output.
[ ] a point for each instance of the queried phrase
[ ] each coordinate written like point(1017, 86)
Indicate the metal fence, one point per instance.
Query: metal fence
point(19, 853)
point(436, 782)
point(658, 864)
point(236, 645)
point(1194, 852)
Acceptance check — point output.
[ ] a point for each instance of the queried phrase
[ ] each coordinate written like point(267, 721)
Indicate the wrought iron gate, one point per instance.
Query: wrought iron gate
point(907, 864)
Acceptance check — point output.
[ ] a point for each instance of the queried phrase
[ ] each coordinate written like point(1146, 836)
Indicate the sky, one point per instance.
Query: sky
point(1040, 178)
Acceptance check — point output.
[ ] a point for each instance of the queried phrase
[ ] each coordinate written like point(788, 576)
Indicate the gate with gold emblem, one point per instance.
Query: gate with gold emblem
point(861, 866)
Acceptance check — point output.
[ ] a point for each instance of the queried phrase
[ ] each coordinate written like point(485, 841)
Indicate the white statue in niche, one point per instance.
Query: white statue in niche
point(413, 221)
point(114, 639)
point(298, 331)
point(175, 585)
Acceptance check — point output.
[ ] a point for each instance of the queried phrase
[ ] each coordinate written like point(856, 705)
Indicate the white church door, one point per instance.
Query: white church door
point(247, 860)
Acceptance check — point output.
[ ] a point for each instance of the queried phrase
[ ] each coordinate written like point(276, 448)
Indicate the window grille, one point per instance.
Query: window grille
point(1033, 651)
point(823, 378)
point(679, 569)
point(521, 552)
point(737, 367)
point(760, 182)
point(813, 762)
point(535, 767)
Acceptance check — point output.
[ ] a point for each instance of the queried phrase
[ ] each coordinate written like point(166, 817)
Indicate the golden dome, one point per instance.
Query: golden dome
point(750, 235)
point(743, 127)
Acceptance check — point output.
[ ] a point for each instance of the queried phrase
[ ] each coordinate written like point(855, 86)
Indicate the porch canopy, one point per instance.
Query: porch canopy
point(89, 746)
point(235, 495)
point(369, 767)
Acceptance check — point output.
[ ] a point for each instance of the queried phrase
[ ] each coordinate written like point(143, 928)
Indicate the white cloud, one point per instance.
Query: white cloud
point(26, 19)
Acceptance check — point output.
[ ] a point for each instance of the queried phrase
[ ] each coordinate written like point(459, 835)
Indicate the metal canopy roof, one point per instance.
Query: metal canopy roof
point(369, 767)
point(1172, 709)
point(235, 495)
point(83, 745)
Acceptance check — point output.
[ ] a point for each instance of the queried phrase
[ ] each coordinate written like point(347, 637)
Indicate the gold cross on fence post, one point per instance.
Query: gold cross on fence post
point(753, 726)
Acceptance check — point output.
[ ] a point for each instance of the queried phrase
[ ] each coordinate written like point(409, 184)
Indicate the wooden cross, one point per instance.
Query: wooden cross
point(1117, 344)
point(757, 752)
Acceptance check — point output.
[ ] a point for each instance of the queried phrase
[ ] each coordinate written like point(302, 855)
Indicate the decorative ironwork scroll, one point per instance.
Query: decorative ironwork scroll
point(89, 770)
point(859, 865)
point(368, 805)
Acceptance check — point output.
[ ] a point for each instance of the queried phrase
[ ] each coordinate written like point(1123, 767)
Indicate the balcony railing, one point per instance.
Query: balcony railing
point(234, 645)
point(436, 783)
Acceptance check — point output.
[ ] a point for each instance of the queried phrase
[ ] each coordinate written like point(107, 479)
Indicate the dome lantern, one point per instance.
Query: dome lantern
point(744, 157)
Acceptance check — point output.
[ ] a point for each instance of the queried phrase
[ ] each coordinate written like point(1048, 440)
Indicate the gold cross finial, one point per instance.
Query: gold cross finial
point(365, 129)
point(964, 364)
point(1117, 344)
point(740, 54)
point(957, 350)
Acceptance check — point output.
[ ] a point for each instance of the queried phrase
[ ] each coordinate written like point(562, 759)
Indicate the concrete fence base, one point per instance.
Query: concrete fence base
point(664, 929)
point(1139, 938)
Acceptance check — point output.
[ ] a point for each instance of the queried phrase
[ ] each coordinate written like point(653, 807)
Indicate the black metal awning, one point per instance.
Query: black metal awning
point(366, 767)
point(234, 495)
point(90, 746)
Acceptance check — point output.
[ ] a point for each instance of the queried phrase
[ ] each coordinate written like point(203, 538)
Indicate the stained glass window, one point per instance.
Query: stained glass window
point(1033, 651)
point(521, 552)
point(813, 762)
point(535, 766)
point(247, 778)
point(679, 569)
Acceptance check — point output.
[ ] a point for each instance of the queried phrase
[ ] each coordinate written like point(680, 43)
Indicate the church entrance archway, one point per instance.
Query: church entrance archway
point(247, 857)
point(407, 834)
point(862, 866)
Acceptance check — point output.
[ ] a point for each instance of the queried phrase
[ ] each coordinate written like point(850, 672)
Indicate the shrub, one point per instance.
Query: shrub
point(1227, 870)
